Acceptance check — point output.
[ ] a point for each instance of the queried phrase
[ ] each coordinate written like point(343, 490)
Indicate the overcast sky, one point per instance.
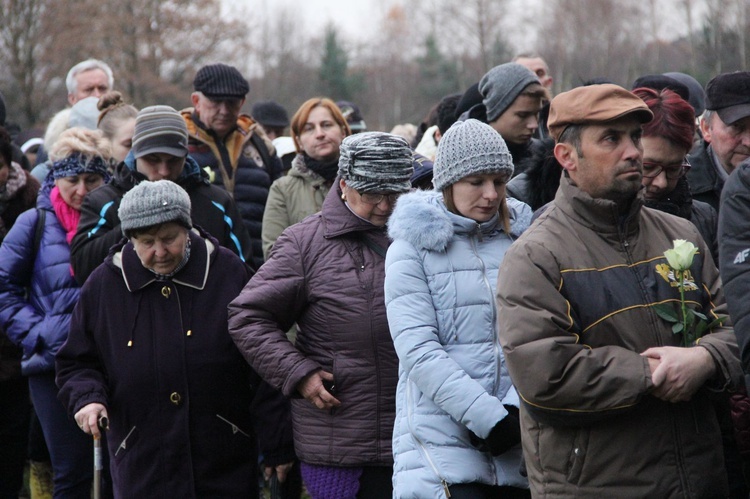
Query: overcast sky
point(353, 17)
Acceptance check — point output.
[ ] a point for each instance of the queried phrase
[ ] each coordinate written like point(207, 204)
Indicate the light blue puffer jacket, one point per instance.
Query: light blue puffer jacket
point(441, 273)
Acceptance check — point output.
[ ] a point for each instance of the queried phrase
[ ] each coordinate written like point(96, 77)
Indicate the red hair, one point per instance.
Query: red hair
point(674, 118)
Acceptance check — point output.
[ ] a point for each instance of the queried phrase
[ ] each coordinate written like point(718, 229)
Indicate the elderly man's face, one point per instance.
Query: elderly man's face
point(218, 115)
point(91, 83)
point(610, 162)
point(731, 143)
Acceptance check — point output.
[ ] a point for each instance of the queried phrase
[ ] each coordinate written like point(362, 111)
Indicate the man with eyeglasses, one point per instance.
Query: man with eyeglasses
point(235, 149)
point(667, 140)
point(726, 132)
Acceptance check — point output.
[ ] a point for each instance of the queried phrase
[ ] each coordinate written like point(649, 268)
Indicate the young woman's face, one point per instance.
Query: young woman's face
point(74, 189)
point(478, 197)
point(122, 141)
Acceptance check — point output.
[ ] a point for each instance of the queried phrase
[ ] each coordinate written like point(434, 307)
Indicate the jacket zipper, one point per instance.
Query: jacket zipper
point(235, 429)
point(425, 452)
point(496, 333)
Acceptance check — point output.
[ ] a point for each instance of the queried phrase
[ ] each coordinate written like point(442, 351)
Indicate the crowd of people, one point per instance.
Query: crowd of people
point(527, 295)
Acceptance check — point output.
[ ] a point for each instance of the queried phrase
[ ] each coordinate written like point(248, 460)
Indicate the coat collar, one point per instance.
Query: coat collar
point(600, 215)
point(194, 274)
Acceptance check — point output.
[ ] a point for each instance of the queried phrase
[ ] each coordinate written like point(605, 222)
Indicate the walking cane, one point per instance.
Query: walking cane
point(103, 424)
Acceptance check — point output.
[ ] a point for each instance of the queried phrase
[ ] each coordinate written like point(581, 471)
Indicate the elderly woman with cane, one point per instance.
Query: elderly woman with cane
point(149, 349)
point(326, 275)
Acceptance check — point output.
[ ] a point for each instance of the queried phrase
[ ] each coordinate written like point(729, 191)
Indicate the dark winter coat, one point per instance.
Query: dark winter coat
point(22, 200)
point(680, 202)
point(705, 183)
point(539, 179)
point(37, 290)
point(244, 163)
point(99, 228)
point(178, 393)
point(322, 275)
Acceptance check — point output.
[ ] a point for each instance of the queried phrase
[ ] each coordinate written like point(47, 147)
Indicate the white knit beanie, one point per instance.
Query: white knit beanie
point(469, 148)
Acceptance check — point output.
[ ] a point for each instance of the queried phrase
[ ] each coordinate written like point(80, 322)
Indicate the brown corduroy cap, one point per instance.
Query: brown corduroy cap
point(594, 104)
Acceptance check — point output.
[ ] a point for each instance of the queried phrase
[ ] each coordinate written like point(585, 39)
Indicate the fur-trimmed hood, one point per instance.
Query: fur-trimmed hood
point(422, 219)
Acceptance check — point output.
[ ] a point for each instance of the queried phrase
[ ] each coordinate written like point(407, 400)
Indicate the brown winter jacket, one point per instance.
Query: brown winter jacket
point(322, 276)
point(574, 296)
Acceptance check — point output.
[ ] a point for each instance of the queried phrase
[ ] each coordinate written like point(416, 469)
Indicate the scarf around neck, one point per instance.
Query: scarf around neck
point(326, 169)
point(66, 214)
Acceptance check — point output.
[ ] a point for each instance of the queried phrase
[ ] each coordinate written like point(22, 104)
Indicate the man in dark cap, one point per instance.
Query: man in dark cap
point(726, 133)
point(233, 146)
point(609, 397)
point(353, 116)
point(271, 116)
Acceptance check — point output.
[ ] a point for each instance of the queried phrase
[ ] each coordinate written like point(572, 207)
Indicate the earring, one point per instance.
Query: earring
point(343, 196)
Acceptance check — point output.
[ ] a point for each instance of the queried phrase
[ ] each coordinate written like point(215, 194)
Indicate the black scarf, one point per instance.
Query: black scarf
point(678, 202)
point(326, 169)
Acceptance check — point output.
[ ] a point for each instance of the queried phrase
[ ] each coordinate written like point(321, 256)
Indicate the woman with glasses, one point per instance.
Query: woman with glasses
point(318, 127)
point(667, 139)
point(326, 274)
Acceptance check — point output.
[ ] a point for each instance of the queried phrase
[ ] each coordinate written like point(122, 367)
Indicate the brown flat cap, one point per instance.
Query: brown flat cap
point(594, 104)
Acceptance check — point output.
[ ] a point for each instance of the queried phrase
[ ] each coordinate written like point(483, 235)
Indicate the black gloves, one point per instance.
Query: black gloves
point(505, 434)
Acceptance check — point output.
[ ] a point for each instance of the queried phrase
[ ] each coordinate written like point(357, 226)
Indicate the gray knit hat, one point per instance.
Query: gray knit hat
point(502, 84)
point(469, 148)
point(160, 129)
point(153, 203)
point(84, 113)
point(376, 162)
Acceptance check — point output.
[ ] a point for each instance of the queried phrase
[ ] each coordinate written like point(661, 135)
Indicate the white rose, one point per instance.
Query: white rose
point(680, 257)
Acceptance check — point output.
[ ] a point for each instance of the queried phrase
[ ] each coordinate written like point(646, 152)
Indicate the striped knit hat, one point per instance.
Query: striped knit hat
point(160, 129)
point(376, 162)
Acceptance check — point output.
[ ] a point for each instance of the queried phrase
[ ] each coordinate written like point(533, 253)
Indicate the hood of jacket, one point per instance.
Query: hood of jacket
point(422, 219)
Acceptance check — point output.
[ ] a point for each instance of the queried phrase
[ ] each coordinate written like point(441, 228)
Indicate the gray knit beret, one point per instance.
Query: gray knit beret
point(502, 84)
point(469, 148)
point(376, 162)
point(160, 129)
point(84, 113)
point(153, 203)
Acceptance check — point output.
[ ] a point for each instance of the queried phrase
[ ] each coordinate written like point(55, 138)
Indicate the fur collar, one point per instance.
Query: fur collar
point(422, 219)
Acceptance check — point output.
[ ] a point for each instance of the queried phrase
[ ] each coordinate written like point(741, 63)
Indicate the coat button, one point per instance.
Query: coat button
point(175, 398)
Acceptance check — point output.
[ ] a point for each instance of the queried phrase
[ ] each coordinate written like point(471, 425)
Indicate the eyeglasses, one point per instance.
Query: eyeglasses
point(652, 170)
point(373, 198)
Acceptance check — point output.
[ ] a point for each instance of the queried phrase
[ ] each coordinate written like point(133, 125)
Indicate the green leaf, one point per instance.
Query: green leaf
point(698, 314)
point(690, 318)
point(677, 328)
point(700, 328)
point(666, 311)
point(716, 323)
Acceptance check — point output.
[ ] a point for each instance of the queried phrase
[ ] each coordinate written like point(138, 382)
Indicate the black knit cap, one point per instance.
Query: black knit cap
point(270, 113)
point(220, 81)
point(729, 95)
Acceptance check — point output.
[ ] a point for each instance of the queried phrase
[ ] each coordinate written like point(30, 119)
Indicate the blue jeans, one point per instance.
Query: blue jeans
point(70, 449)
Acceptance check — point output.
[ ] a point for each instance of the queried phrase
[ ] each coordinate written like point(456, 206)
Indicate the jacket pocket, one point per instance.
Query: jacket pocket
point(577, 456)
point(125, 444)
point(236, 430)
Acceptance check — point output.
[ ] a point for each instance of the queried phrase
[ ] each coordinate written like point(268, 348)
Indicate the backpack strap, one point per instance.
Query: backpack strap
point(41, 216)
